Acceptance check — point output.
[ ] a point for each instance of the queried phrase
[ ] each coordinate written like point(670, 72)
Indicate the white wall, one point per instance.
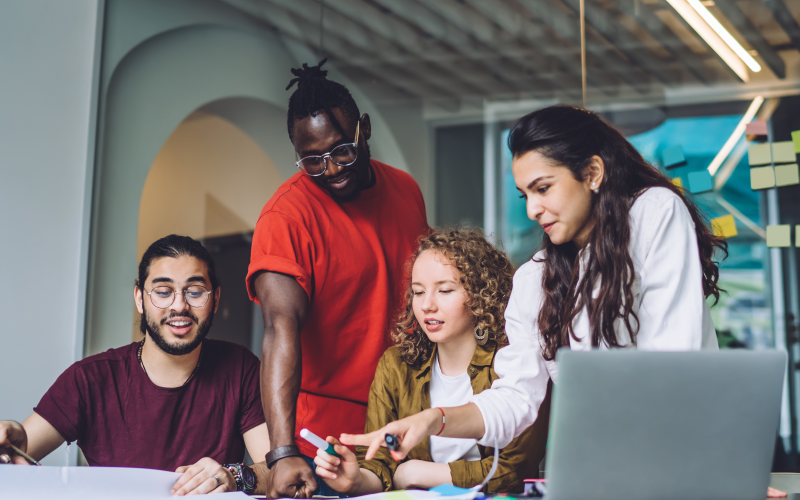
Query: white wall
point(47, 55)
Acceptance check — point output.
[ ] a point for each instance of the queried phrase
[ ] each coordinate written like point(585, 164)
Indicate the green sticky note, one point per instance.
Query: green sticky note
point(797, 235)
point(787, 175)
point(779, 236)
point(783, 152)
point(762, 178)
point(759, 154)
point(796, 140)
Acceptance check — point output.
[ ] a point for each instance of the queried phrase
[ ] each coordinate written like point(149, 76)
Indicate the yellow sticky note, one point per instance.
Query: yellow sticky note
point(677, 182)
point(724, 226)
point(787, 175)
point(759, 154)
point(779, 236)
point(762, 178)
point(796, 140)
point(783, 152)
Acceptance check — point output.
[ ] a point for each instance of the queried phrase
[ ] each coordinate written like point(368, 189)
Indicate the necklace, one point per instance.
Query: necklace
point(141, 363)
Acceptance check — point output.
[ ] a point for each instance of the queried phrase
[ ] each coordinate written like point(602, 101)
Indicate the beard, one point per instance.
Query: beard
point(179, 348)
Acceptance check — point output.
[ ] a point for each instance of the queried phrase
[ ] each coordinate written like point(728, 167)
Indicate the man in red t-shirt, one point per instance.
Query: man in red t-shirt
point(173, 401)
point(327, 267)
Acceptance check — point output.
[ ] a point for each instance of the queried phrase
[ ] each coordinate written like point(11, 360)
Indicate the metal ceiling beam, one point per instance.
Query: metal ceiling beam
point(784, 17)
point(304, 32)
point(669, 40)
point(514, 61)
point(753, 36)
point(537, 40)
point(372, 18)
point(465, 42)
point(564, 27)
point(602, 21)
point(394, 59)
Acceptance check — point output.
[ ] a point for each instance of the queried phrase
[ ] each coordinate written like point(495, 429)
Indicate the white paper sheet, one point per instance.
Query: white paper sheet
point(89, 483)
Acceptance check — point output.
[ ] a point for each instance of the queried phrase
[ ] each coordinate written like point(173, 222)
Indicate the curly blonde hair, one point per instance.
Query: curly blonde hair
point(486, 274)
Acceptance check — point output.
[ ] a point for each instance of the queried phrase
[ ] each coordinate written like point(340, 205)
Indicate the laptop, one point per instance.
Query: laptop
point(664, 425)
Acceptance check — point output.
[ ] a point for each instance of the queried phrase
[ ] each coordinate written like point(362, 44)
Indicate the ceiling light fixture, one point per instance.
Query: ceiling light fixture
point(716, 36)
point(735, 136)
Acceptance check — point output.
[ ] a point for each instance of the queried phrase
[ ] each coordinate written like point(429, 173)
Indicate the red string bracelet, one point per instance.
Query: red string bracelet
point(443, 421)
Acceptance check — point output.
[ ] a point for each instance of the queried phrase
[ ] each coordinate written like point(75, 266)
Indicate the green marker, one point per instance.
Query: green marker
point(318, 442)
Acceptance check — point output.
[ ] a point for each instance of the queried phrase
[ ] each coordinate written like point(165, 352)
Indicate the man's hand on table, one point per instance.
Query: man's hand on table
point(206, 476)
point(291, 477)
point(12, 433)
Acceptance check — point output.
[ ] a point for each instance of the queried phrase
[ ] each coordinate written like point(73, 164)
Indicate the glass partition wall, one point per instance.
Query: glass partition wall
point(708, 90)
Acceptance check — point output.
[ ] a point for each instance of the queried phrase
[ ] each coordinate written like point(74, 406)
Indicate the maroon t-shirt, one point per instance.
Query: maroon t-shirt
point(120, 418)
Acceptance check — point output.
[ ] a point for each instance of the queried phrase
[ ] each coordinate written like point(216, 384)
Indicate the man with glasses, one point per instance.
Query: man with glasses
point(174, 401)
point(327, 265)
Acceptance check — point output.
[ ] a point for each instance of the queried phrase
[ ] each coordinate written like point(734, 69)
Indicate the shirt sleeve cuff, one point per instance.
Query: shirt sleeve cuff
point(466, 473)
point(273, 263)
point(380, 470)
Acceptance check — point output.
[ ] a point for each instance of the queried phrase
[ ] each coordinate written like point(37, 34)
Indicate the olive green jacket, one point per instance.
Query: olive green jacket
point(400, 390)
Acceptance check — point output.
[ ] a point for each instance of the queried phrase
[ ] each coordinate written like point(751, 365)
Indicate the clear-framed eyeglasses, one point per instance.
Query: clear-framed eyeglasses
point(343, 155)
point(163, 296)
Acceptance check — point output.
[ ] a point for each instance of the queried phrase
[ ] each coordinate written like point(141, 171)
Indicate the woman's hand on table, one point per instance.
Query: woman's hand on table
point(410, 431)
point(775, 493)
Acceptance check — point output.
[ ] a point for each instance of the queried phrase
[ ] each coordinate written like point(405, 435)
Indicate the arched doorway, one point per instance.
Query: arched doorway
point(209, 181)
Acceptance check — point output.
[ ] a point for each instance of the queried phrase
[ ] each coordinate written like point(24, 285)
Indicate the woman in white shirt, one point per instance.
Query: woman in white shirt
point(626, 261)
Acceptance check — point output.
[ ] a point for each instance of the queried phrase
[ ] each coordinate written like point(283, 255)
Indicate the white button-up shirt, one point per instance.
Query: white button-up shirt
point(668, 300)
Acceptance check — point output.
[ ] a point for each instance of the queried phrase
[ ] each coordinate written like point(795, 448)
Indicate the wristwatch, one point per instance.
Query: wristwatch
point(244, 476)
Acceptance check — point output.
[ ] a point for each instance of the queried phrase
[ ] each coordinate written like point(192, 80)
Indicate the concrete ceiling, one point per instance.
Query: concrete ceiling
point(452, 53)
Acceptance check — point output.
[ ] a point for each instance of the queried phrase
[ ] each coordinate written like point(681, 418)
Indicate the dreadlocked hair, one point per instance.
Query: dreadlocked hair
point(316, 94)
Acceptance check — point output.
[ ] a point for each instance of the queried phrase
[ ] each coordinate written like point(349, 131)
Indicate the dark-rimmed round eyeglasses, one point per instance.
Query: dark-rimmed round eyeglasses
point(343, 155)
point(163, 296)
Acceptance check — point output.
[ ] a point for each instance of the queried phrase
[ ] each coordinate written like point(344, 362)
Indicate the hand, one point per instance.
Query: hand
point(410, 430)
point(199, 479)
point(291, 477)
point(340, 473)
point(775, 493)
point(12, 432)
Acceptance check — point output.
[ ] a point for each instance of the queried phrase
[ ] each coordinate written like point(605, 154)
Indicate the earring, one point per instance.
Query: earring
point(481, 336)
point(595, 191)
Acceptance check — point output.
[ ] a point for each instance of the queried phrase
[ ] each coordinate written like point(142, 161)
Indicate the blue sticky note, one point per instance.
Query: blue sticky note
point(673, 156)
point(700, 182)
point(448, 490)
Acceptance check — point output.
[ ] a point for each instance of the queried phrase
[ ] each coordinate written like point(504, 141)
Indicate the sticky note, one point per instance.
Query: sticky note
point(759, 154)
point(762, 178)
point(779, 236)
point(673, 156)
point(756, 128)
point(797, 235)
point(783, 152)
point(700, 182)
point(796, 140)
point(677, 181)
point(787, 175)
point(724, 226)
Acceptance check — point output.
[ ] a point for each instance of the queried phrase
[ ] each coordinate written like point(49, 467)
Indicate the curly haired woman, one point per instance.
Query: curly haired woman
point(446, 340)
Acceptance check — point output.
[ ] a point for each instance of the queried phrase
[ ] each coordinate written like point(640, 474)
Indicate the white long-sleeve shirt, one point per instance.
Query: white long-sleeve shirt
point(668, 300)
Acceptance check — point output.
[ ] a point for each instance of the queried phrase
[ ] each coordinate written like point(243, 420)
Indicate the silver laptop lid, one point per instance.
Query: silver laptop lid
point(657, 425)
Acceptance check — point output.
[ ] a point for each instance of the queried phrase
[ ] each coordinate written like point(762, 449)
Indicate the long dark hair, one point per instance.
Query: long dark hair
point(570, 137)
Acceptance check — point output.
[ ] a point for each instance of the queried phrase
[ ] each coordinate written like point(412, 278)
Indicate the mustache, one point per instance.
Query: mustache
point(180, 315)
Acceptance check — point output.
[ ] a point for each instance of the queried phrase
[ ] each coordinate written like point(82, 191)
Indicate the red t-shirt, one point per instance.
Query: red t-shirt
point(350, 258)
point(120, 418)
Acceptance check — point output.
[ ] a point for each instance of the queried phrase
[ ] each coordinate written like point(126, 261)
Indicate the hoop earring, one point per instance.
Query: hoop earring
point(481, 336)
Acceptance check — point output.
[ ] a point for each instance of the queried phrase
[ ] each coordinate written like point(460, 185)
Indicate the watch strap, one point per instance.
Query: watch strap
point(280, 453)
